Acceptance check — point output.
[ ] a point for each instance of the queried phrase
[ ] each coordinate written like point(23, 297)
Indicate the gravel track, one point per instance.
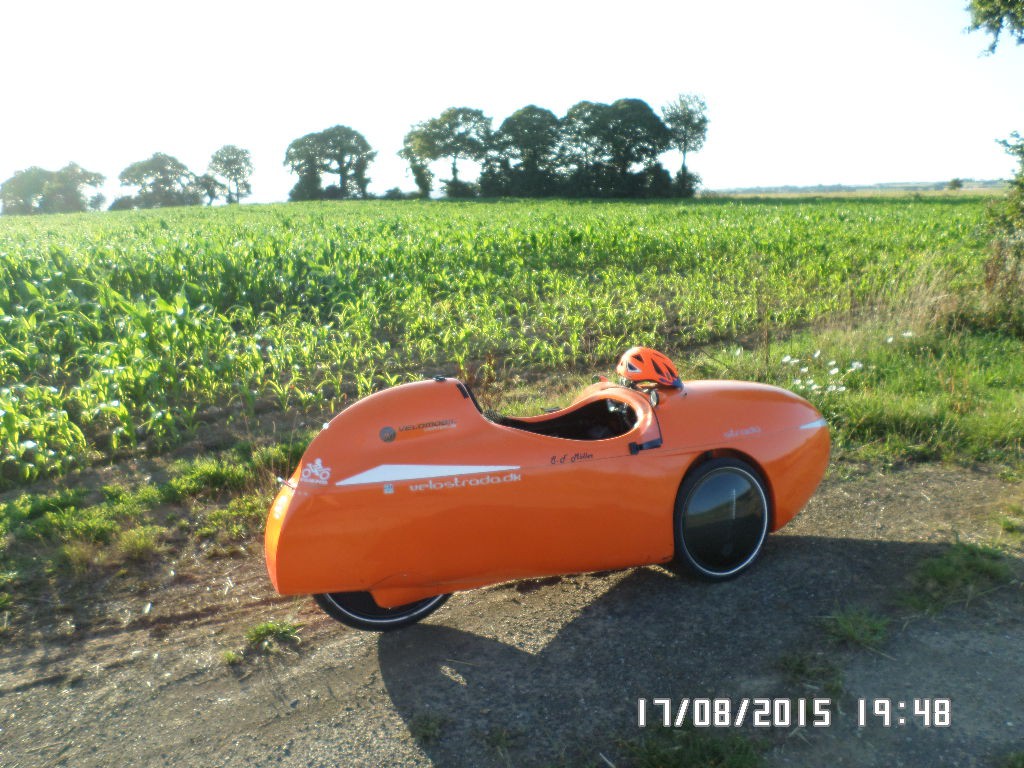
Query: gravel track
point(536, 673)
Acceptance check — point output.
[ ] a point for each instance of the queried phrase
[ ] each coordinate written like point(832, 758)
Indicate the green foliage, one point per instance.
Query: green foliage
point(163, 181)
point(526, 140)
point(812, 670)
point(1011, 760)
point(234, 165)
point(211, 475)
point(36, 190)
point(271, 634)
point(599, 144)
point(340, 150)
point(459, 190)
point(996, 17)
point(458, 132)
point(687, 122)
point(962, 572)
point(117, 331)
point(235, 522)
point(892, 394)
point(856, 626)
point(686, 747)
point(280, 459)
point(427, 727)
point(140, 543)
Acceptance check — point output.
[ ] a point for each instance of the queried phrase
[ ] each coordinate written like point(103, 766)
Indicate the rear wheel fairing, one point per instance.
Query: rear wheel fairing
point(781, 433)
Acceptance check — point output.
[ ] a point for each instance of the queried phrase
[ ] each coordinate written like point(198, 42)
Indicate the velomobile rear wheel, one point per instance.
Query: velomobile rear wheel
point(722, 518)
point(360, 610)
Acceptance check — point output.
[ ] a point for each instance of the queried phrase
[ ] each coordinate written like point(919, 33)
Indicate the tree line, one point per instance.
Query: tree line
point(162, 181)
point(594, 150)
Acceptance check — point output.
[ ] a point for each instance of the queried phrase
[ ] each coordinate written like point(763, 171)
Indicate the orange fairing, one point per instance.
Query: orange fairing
point(413, 492)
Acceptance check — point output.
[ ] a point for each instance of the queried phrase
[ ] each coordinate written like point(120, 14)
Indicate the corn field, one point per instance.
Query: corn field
point(118, 328)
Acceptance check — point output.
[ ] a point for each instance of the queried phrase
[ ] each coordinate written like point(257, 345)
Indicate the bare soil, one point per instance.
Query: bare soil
point(535, 673)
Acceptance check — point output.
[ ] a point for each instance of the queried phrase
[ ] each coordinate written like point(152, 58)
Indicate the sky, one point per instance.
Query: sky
point(799, 92)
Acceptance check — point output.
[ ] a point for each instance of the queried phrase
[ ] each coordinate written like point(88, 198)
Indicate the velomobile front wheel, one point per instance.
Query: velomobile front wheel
point(360, 610)
point(722, 518)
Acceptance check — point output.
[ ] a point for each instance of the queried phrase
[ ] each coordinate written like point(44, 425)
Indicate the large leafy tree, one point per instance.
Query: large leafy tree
point(634, 134)
point(998, 16)
point(458, 132)
point(687, 122)
point(64, 192)
point(583, 153)
point(305, 157)
point(347, 153)
point(212, 188)
point(163, 181)
point(600, 145)
point(234, 165)
point(415, 151)
point(527, 138)
point(37, 190)
point(23, 192)
point(337, 150)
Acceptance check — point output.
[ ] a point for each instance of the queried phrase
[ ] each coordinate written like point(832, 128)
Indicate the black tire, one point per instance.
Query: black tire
point(360, 611)
point(722, 516)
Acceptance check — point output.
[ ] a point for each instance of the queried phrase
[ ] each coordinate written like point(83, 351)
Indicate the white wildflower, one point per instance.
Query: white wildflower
point(833, 371)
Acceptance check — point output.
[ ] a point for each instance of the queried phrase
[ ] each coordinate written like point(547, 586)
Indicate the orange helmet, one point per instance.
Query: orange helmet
point(639, 364)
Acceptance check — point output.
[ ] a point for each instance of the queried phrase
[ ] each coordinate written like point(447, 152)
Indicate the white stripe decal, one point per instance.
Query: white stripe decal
point(815, 424)
point(391, 473)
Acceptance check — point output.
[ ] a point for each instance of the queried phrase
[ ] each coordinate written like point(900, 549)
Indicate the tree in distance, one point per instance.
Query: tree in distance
point(338, 150)
point(347, 153)
point(37, 190)
point(687, 122)
point(528, 138)
point(635, 135)
point(600, 144)
point(212, 188)
point(997, 16)
point(458, 132)
point(234, 165)
point(413, 151)
point(304, 157)
point(582, 154)
point(596, 150)
point(163, 181)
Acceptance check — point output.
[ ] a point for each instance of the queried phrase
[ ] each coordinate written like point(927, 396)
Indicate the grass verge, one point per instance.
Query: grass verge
point(685, 747)
point(812, 671)
point(960, 574)
point(269, 636)
point(856, 626)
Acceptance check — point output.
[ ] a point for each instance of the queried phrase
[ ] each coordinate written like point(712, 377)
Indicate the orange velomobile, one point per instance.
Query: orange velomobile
point(413, 493)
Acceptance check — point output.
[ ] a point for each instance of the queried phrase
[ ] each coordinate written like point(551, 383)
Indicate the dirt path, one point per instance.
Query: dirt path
point(538, 673)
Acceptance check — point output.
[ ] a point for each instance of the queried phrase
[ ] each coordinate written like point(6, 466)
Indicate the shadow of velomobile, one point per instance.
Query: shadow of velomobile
point(652, 634)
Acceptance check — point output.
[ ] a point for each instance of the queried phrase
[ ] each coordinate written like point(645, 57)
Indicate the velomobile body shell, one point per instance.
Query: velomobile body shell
point(413, 492)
